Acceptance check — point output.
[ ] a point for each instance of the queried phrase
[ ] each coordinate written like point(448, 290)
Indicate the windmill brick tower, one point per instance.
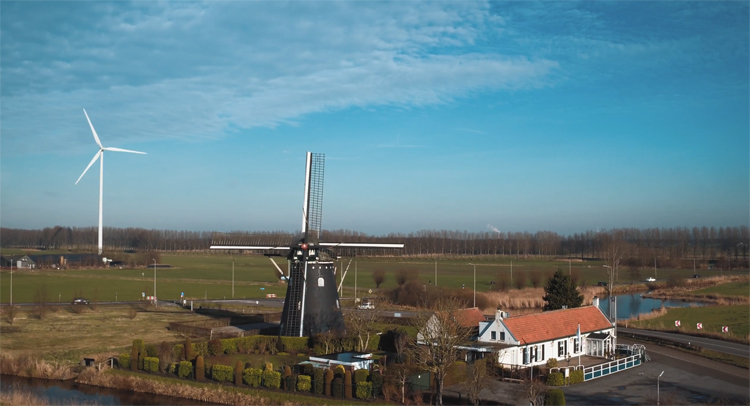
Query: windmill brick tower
point(312, 303)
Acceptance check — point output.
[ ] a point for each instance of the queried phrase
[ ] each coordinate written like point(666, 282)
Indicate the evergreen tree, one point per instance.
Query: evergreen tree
point(561, 291)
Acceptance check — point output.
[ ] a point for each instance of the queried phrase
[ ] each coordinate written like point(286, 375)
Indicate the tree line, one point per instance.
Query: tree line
point(640, 245)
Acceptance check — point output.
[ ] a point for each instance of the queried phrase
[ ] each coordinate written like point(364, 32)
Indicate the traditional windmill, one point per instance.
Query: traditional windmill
point(312, 302)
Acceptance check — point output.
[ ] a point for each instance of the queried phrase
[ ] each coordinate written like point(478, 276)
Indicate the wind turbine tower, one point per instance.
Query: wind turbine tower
point(100, 156)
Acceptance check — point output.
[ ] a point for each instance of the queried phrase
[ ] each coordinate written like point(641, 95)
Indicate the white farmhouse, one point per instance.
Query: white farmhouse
point(535, 338)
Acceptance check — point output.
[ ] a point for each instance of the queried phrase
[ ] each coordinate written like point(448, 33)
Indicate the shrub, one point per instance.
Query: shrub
point(151, 351)
point(555, 379)
point(124, 361)
point(304, 383)
point(337, 387)
point(268, 366)
point(178, 352)
point(339, 370)
point(151, 364)
point(134, 358)
point(318, 380)
point(200, 368)
point(201, 349)
point(222, 373)
point(364, 390)
point(555, 397)
point(214, 347)
point(173, 368)
point(328, 381)
point(576, 376)
point(361, 375)
point(138, 344)
point(185, 369)
point(307, 369)
point(229, 346)
point(291, 383)
point(348, 384)
point(286, 374)
point(552, 363)
point(271, 379)
point(188, 354)
point(238, 373)
point(252, 377)
point(377, 384)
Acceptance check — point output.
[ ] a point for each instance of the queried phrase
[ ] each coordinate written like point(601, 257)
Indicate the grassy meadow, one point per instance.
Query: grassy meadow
point(210, 276)
point(737, 317)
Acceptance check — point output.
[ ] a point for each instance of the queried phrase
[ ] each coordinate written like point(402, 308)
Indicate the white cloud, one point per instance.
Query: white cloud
point(191, 70)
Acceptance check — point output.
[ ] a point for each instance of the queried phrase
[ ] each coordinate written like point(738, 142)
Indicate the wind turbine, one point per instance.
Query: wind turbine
point(100, 156)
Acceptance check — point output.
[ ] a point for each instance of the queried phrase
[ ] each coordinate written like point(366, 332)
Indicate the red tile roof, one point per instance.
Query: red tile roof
point(470, 317)
point(546, 326)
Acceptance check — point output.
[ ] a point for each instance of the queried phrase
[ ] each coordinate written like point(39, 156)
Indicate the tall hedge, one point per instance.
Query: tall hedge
point(252, 377)
point(364, 390)
point(200, 368)
point(377, 384)
point(134, 358)
point(214, 347)
point(138, 343)
point(348, 384)
point(286, 374)
point(329, 381)
point(188, 350)
point(319, 380)
point(337, 387)
point(185, 369)
point(271, 379)
point(238, 373)
point(555, 379)
point(124, 361)
point(555, 397)
point(151, 364)
point(304, 383)
point(294, 344)
point(222, 373)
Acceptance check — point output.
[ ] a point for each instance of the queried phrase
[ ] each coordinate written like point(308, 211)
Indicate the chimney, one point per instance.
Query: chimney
point(595, 301)
point(499, 314)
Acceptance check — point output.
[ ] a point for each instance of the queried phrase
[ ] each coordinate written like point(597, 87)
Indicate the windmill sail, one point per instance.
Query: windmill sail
point(312, 303)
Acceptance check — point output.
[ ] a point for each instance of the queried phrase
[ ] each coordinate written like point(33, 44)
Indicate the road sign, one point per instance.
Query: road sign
point(270, 295)
point(677, 323)
point(143, 294)
point(369, 291)
point(182, 294)
point(700, 326)
point(262, 288)
point(724, 329)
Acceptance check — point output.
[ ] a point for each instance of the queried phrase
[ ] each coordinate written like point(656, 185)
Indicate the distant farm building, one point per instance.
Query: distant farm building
point(17, 261)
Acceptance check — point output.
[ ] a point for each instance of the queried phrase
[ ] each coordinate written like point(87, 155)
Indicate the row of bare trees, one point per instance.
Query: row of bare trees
point(679, 243)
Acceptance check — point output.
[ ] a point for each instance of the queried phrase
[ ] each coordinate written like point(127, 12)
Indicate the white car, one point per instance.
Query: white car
point(651, 279)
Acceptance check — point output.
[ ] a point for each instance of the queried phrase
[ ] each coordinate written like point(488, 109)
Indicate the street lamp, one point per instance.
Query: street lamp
point(612, 299)
point(155, 300)
point(657, 387)
point(232, 277)
point(11, 283)
point(475, 284)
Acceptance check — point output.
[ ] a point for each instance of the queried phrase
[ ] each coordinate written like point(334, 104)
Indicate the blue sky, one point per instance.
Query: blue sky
point(557, 116)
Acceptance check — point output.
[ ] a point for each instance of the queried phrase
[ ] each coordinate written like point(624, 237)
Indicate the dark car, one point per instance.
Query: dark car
point(80, 301)
point(602, 284)
point(696, 276)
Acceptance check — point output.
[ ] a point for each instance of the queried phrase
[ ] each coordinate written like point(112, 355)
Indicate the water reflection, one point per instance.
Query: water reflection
point(632, 304)
point(71, 393)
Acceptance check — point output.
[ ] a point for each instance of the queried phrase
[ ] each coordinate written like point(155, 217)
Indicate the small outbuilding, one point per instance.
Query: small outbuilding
point(17, 261)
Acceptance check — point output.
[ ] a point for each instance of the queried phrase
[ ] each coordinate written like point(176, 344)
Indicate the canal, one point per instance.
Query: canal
point(632, 304)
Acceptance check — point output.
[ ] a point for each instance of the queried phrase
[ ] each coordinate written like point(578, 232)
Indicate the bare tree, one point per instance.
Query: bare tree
point(439, 335)
point(362, 324)
point(398, 376)
point(42, 299)
point(532, 390)
point(635, 273)
point(400, 341)
point(378, 276)
point(478, 377)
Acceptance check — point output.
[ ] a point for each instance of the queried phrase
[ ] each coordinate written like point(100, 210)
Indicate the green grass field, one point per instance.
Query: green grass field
point(210, 276)
point(727, 290)
point(713, 318)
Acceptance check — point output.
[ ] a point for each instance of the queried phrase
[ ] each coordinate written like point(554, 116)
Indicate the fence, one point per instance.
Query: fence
point(597, 371)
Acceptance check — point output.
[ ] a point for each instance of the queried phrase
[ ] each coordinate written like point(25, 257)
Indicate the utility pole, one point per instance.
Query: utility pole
point(435, 272)
point(232, 277)
point(11, 282)
point(156, 301)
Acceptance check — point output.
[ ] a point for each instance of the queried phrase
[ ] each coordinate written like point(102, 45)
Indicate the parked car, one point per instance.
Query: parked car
point(602, 283)
point(80, 301)
point(696, 276)
point(367, 305)
point(651, 279)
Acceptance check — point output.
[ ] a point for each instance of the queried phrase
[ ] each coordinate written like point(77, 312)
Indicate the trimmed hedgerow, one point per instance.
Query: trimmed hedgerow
point(555, 379)
point(222, 373)
point(319, 380)
point(151, 364)
point(294, 344)
point(200, 368)
point(364, 390)
point(337, 387)
point(124, 361)
point(201, 349)
point(329, 382)
point(252, 377)
point(214, 347)
point(304, 383)
point(348, 384)
point(576, 376)
point(185, 370)
point(271, 379)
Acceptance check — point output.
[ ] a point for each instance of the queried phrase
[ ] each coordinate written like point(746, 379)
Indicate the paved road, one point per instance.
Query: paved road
point(726, 347)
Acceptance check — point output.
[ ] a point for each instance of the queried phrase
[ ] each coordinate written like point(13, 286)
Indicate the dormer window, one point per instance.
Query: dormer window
point(493, 335)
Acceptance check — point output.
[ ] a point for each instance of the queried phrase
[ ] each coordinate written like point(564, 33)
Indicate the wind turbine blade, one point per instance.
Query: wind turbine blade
point(96, 137)
point(90, 163)
point(122, 150)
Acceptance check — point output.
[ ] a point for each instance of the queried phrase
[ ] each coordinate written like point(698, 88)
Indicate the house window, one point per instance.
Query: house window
point(576, 345)
point(526, 355)
point(493, 335)
point(502, 336)
point(562, 348)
